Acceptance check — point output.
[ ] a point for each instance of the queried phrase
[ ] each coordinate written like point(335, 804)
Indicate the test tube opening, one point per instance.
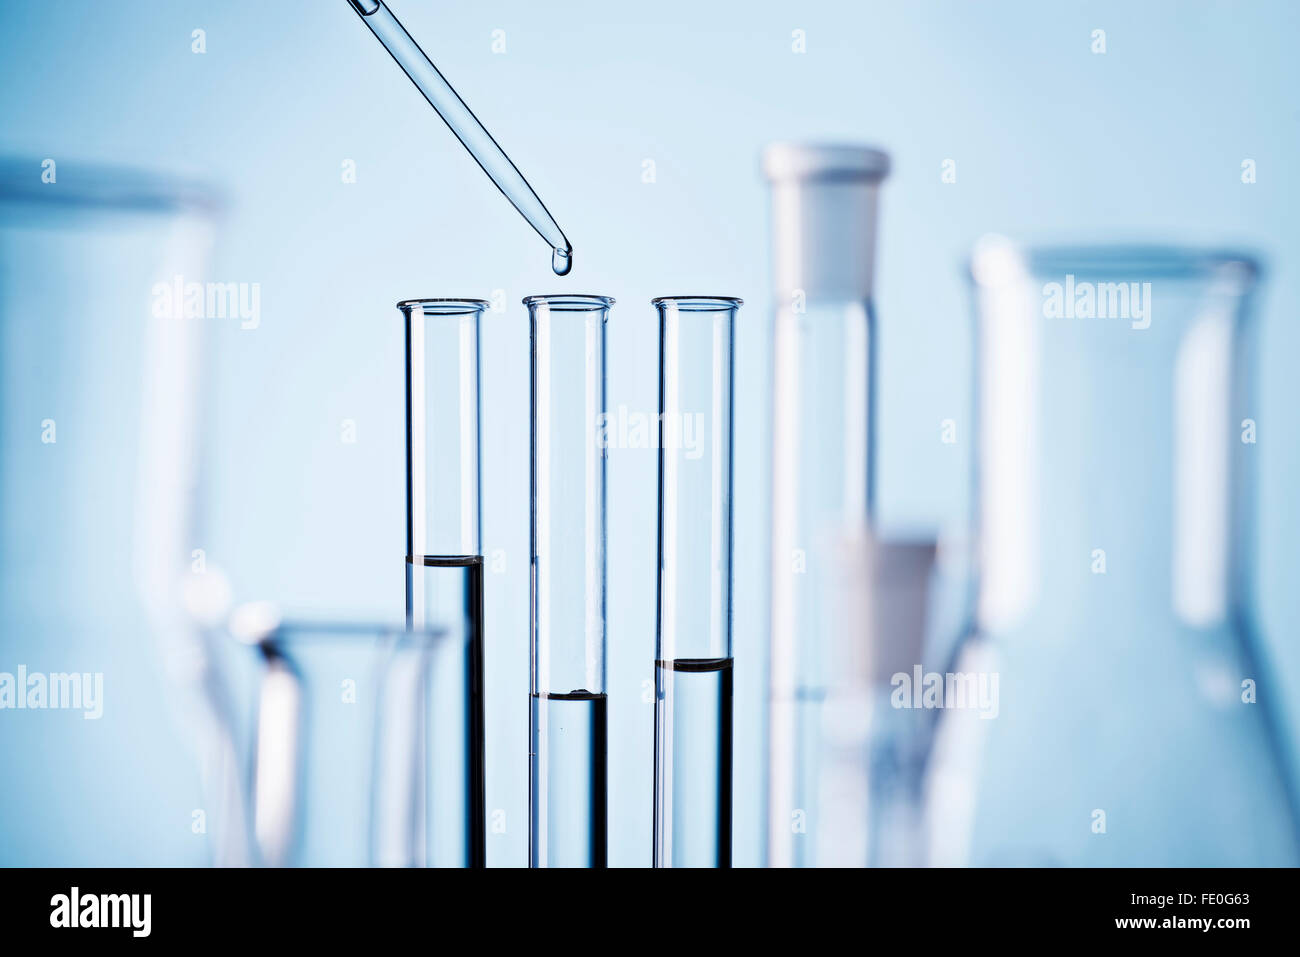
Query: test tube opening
point(570, 302)
point(698, 303)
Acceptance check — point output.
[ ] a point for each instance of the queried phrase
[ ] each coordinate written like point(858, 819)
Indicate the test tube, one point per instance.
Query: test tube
point(824, 201)
point(444, 563)
point(693, 658)
point(567, 714)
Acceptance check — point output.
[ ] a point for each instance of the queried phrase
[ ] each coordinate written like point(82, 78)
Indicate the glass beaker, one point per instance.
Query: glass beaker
point(1115, 443)
point(342, 774)
point(693, 661)
point(568, 722)
point(824, 201)
point(444, 558)
point(101, 375)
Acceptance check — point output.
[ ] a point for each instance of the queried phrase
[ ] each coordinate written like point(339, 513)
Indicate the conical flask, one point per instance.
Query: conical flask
point(1115, 440)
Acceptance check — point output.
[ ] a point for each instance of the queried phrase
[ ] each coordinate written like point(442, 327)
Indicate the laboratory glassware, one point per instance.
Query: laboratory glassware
point(567, 778)
point(462, 122)
point(1115, 419)
point(874, 742)
point(339, 775)
point(693, 654)
point(101, 389)
point(824, 202)
point(444, 559)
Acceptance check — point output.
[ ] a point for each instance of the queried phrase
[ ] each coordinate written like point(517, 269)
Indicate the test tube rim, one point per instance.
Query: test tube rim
point(444, 307)
point(699, 303)
point(570, 302)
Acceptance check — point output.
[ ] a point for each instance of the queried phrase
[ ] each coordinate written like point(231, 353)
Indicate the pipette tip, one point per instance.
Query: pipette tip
point(562, 260)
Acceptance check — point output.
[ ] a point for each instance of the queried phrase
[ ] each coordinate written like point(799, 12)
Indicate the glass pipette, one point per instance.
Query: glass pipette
point(466, 126)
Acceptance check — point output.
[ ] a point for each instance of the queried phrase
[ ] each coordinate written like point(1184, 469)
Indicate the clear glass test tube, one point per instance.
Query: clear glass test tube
point(444, 561)
point(693, 657)
point(567, 715)
point(824, 202)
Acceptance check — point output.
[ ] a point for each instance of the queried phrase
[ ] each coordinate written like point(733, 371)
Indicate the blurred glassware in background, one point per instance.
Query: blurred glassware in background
point(824, 202)
point(101, 374)
point(1113, 502)
point(874, 743)
point(341, 772)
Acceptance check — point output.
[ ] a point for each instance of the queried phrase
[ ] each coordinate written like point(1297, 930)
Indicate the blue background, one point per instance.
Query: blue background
point(1050, 141)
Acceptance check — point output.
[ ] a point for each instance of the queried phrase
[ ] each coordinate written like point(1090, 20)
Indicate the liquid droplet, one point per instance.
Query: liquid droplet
point(562, 261)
